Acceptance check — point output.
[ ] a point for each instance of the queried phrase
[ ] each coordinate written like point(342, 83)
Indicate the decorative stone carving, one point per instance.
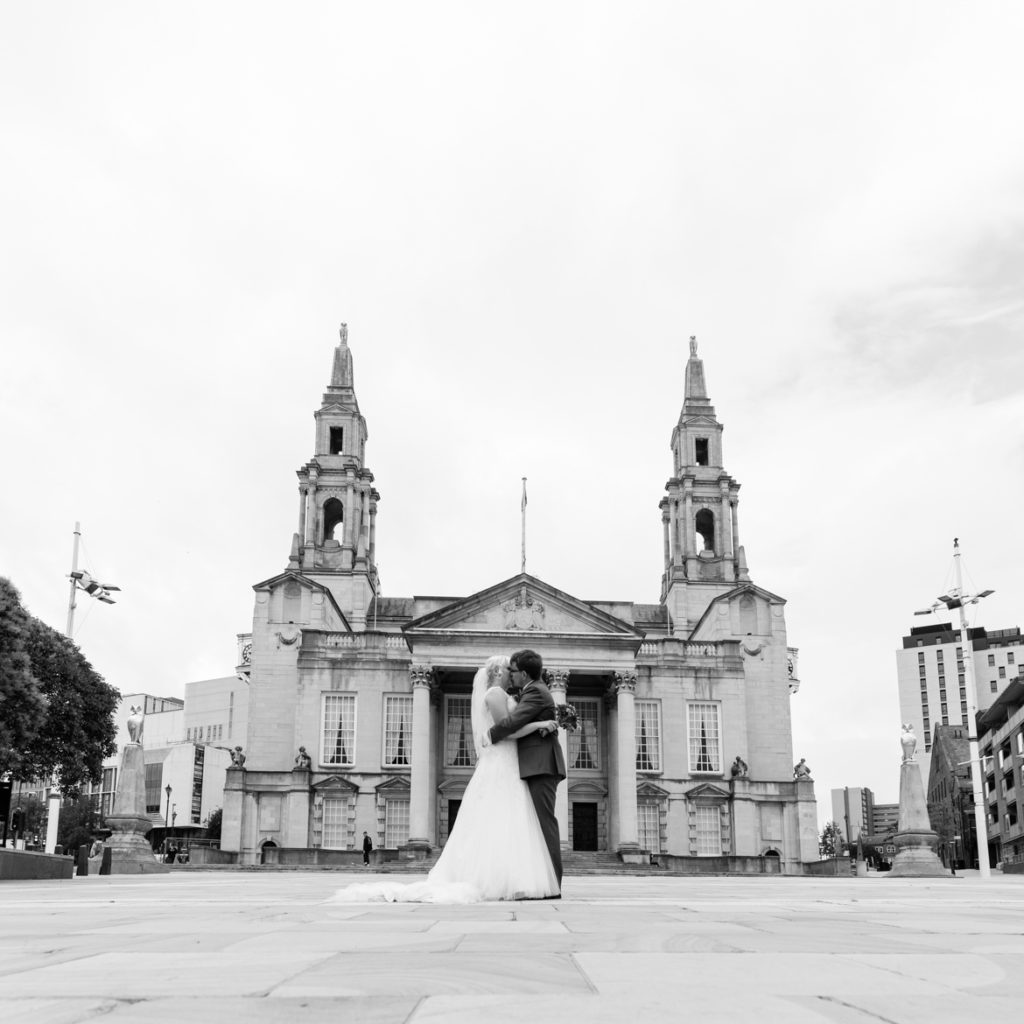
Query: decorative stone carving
point(136, 721)
point(523, 611)
point(421, 675)
point(739, 768)
point(288, 638)
point(908, 741)
point(557, 679)
point(625, 682)
point(801, 771)
point(303, 762)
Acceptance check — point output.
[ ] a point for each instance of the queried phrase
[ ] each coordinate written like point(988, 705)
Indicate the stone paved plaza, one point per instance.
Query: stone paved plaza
point(257, 946)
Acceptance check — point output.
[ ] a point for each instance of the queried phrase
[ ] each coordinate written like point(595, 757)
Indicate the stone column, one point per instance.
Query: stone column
point(419, 783)
point(558, 684)
point(302, 514)
point(348, 538)
point(373, 531)
point(733, 502)
point(310, 537)
point(628, 847)
point(665, 518)
point(727, 548)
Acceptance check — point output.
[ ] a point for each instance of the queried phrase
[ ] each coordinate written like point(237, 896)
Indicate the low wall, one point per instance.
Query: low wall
point(720, 865)
point(302, 857)
point(1016, 868)
point(833, 867)
point(211, 855)
point(18, 865)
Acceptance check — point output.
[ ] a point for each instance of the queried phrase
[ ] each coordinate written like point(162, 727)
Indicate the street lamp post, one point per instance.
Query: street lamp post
point(167, 811)
point(957, 599)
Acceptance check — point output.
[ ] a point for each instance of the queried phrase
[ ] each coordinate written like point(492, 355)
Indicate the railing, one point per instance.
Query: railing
point(688, 648)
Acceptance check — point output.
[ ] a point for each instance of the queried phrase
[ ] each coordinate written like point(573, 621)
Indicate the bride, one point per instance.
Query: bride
point(496, 850)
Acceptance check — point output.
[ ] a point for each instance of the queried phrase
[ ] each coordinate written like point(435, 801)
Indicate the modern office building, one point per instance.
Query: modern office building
point(931, 680)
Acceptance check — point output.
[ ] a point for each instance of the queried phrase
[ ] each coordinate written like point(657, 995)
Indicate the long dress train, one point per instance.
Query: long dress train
point(496, 851)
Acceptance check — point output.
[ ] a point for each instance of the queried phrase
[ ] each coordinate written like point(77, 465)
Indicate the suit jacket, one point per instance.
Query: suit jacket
point(538, 754)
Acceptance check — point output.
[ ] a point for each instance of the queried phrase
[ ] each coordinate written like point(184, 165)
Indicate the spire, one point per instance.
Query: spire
point(341, 372)
point(695, 391)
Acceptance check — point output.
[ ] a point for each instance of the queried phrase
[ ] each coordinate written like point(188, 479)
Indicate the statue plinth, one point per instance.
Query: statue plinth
point(916, 844)
point(130, 852)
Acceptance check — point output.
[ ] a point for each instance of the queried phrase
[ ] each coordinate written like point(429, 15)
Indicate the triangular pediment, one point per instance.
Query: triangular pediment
point(708, 791)
point(290, 579)
point(335, 782)
point(715, 624)
point(526, 606)
point(394, 785)
point(650, 790)
point(585, 788)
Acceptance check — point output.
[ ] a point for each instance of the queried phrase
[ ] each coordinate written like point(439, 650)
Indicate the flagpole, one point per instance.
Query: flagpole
point(523, 510)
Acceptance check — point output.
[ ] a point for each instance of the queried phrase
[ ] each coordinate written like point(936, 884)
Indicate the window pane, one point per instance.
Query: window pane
point(648, 736)
point(458, 747)
point(584, 751)
point(154, 778)
point(334, 833)
point(649, 827)
point(705, 755)
point(339, 729)
point(709, 832)
point(396, 822)
point(397, 730)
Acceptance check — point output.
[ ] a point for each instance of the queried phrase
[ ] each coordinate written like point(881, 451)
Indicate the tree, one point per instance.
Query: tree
point(830, 842)
point(78, 824)
point(74, 727)
point(213, 823)
point(22, 705)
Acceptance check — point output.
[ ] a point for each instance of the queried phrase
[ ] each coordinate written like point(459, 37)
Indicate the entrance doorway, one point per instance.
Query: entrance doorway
point(453, 813)
point(584, 826)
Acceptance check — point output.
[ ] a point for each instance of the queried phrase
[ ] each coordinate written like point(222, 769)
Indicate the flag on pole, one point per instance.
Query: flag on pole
point(522, 510)
point(522, 507)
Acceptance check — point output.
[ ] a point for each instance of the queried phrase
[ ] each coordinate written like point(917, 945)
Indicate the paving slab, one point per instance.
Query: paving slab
point(254, 946)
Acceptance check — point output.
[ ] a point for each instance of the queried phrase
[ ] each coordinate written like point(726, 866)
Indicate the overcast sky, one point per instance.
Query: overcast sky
point(522, 211)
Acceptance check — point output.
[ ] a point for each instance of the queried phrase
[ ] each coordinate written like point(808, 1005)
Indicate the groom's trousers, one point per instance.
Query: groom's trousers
point(542, 790)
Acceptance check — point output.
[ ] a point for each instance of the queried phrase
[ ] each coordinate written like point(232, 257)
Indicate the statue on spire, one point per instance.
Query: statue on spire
point(693, 346)
point(341, 371)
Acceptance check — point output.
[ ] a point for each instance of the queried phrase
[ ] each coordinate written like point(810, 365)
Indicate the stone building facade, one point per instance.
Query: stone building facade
point(684, 748)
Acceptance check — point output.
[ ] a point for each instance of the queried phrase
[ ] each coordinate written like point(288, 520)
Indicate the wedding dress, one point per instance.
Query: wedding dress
point(496, 850)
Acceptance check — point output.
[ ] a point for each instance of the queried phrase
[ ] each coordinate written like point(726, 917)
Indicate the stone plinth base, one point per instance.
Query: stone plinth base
point(916, 856)
point(130, 852)
point(416, 849)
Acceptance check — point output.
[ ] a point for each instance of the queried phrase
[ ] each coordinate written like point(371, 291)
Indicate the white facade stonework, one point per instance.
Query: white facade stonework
point(376, 688)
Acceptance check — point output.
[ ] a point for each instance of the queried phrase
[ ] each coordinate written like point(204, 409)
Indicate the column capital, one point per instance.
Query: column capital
point(558, 679)
point(625, 682)
point(421, 675)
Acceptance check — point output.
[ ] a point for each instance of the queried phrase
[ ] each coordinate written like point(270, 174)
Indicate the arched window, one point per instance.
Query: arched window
point(704, 524)
point(334, 519)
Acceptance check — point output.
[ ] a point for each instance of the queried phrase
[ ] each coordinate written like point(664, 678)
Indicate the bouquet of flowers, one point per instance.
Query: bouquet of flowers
point(566, 717)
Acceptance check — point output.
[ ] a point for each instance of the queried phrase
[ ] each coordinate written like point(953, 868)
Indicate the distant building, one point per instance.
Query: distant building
point(884, 818)
point(852, 808)
point(950, 798)
point(931, 681)
point(1001, 744)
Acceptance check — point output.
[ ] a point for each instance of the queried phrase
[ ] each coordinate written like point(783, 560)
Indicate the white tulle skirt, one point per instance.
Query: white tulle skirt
point(496, 850)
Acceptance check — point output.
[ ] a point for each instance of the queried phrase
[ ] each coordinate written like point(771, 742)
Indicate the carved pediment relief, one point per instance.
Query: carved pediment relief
point(524, 605)
point(394, 785)
point(708, 791)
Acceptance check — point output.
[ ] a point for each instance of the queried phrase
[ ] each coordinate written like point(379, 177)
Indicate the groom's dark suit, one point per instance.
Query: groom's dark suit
point(541, 765)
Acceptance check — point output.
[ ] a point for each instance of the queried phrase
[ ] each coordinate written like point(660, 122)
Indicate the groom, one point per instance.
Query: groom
point(541, 765)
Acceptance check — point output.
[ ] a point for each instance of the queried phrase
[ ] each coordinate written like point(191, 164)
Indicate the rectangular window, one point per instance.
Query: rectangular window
point(335, 826)
point(1009, 658)
point(703, 730)
point(649, 827)
point(1002, 672)
point(960, 678)
point(993, 686)
point(701, 451)
point(648, 736)
point(396, 822)
point(338, 731)
point(920, 657)
point(397, 730)
point(991, 659)
point(709, 832)
point(154, 778)
point(959, 652)
point(584, 748)
point(459, 751)
point(337, 440)
point(963, 708)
